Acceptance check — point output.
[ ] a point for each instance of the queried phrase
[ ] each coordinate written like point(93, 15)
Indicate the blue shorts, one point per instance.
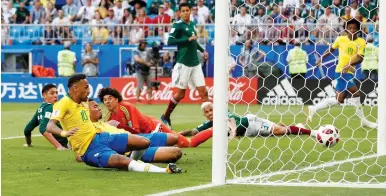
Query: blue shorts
point(344, 81)
point(156, 140)
point(103, 146)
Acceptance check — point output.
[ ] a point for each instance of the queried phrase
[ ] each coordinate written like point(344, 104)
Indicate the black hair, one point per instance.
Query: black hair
point(47, 87)
point(352, 21)
point(183, 5)
point(75, 79)
point(109, 91)
point(90, 99)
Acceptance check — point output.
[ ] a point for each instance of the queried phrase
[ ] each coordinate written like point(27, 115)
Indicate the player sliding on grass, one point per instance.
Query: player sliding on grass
point(128, 117)
point(351, 51)
point(96, 148)
point(41, 118)
point(155, 153)
point(248, 125)
point(188, 68)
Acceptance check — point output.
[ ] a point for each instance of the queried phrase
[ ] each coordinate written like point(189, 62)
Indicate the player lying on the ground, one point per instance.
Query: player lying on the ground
point(248, 125)
point(188, 68)
point(41, 118)
point(157, 152)
point(131, 119)
point(351, 51)
point(96, 148)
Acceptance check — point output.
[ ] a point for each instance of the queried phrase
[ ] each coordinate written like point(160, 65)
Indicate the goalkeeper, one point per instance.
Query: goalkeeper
point(248, 125)
point(351, 51)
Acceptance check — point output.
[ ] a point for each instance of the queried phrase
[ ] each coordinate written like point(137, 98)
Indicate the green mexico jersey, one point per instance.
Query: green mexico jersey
point(241, 123)
point(186, 50)
point(41, 118)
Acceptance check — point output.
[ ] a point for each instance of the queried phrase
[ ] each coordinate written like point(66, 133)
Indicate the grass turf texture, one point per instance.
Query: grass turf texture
point(43, 171)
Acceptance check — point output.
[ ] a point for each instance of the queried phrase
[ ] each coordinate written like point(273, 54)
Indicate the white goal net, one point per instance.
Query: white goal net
point(275, 45)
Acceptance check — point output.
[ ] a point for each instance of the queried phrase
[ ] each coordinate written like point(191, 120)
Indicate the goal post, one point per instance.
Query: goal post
point(357, 160)
point(381, 147)
point(220, 94)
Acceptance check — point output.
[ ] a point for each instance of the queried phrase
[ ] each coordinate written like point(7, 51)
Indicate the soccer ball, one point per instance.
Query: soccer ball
point(328, 135)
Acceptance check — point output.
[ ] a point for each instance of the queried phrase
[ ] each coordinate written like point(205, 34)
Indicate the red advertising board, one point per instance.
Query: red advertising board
point(241, 90)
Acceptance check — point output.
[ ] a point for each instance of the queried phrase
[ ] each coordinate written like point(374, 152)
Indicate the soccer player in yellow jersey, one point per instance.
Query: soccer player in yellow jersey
point(160, 149)
point(96, 148)
point(351, 51)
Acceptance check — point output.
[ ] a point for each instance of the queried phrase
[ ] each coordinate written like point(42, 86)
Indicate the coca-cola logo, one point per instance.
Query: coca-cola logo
point(165, 92)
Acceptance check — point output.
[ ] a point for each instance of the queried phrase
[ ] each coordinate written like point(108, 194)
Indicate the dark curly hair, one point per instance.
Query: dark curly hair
point(109, 91)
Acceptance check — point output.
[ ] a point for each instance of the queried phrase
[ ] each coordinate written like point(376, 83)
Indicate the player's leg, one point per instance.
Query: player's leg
point(140, 81)
point(341, 87)
point(279, 130)
point(162, 155)
point(172, 137)
point(99, 154)
point(201, 137)
point(149, 90)
point(356, 101)
point(124, 142)
point(180, 78)
point(198, 80)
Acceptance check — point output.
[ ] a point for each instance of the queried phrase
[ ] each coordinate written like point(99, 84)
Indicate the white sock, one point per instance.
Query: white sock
point(356, 101)
point(135, 155)
point(313, 133)
point(325, 103)
point(145, 167)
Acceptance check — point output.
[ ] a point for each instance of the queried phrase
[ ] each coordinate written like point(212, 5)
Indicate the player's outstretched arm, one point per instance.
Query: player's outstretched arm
point(54, 129)
point(53, 141)
point(329, 51)
point(191, 132)
point(34, 122)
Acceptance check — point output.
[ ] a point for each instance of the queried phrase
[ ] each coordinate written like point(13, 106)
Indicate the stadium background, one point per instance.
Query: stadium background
point(22, 88)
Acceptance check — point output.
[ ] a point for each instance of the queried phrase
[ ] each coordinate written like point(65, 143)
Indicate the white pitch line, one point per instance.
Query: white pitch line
point(187, 189)
point(18, 137)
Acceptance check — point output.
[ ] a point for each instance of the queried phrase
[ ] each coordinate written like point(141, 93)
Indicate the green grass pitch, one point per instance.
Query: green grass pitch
point(41, 170)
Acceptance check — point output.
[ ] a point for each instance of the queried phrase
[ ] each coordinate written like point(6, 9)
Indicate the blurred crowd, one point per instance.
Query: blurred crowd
point(129, 21)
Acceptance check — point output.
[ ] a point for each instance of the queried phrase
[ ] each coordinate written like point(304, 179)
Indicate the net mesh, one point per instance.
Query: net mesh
point(262, 34)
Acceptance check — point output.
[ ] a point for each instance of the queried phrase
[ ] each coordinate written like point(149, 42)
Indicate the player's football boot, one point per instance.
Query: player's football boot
point(367, 123)
point(311, 112)
point(167, 122)
point(173, 169)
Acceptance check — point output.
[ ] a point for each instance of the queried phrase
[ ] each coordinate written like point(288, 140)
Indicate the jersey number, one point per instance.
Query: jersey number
point(84, 115)
point(350, 51)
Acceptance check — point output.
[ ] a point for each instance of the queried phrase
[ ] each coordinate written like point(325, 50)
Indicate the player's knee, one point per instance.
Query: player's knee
point(145, 143)
point(172, 139)
point(176, 154)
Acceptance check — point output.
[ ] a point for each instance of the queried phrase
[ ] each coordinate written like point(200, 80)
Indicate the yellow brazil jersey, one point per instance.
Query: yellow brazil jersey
point(73, 115)
point(104, 127)
point(347, 50)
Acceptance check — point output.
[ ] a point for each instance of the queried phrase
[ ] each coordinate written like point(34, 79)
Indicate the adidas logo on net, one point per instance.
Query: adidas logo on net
point(329, 91)
point(282, 94)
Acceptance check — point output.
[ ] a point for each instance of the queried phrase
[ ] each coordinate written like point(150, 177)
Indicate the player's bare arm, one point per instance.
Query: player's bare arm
point(329, 51)
point(232, 128)
point(54, 129)
point(355, 60)
point(53, 141)
point(191, 132)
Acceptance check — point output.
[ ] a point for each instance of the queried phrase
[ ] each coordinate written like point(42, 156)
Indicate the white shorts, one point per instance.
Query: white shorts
point(258, 126)
point(182, 76)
